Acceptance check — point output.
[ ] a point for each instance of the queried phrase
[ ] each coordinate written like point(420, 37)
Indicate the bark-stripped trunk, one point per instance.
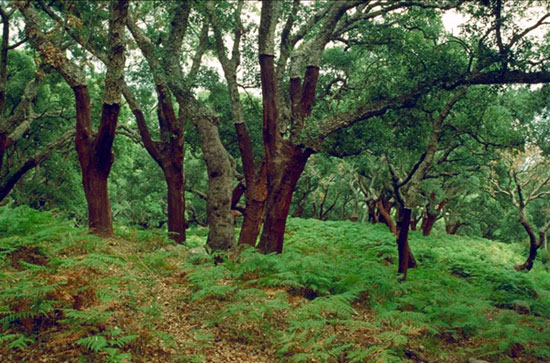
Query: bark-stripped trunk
point(168, 153)
point(453, 228)
point(372, 215)
point(256, 189)
point(431, 216)
point(384, 216)
point(406, 259)
point(171, 162)
point(99, 207)
point(96, 158)
point(94, 149)
point(281, 187)
point(175, 183)
point(428, 222)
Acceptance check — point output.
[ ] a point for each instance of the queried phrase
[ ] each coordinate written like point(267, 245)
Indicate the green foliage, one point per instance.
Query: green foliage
point(109, 343)
point(332, 296)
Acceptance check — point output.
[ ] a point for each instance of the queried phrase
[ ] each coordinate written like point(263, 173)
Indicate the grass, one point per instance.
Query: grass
point(332, 296)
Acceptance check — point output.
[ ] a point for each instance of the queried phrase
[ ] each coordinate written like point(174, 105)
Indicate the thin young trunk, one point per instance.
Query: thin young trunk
point(8, 184)
point(534, 245)
point(414, 222)
point(3, 145)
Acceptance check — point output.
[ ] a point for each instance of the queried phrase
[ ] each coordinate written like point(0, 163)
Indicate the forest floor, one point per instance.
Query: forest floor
point(332, 296)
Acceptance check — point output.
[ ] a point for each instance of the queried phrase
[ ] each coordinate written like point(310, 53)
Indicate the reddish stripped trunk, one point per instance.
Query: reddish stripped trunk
point(453, 228)
point(406, 259)
point(280, 190)
point(256, 197)
point(385, 217)
point(95, 157)
point(373, 216)
point(176, 203)
point(256, 189)
point(431, 217)
point(427, 223)
point(97, 196)
point(252, 222)
point(168, 153)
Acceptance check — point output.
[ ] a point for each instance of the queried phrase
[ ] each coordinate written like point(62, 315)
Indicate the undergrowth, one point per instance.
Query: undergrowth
point(332, 296)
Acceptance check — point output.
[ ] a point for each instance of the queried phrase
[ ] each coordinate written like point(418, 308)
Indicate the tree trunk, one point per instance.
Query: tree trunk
point(406, 259)
point(428, 222)
point(528, 264)
point(256, 189)
point(384, 216)
point(453, 228)
point(280, 190)
point(414, 222)
point(7, 185)
point(221, 235)
point(96, 158)
point(256, 197)
point(534, 245)
point(99, 208)
point(168, 154)
point(175, 181)
point(3, 145)
point(373, 216)
point(252, 222)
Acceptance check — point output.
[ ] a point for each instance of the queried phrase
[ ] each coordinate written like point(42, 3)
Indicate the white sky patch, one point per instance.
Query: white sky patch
point(453, 21)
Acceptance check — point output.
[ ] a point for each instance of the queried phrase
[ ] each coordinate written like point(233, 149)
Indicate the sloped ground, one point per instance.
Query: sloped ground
point(331, 296)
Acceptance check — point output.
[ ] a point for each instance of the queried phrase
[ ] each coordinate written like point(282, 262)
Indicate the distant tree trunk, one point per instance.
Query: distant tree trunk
point(386, 206)
point(414, 221)
point(428, 222)
point(7, 186)
point(432, 215)
point(534, 245)
point(384, 216)
point(406, 259)
point(373, 216)
point(453, 228)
